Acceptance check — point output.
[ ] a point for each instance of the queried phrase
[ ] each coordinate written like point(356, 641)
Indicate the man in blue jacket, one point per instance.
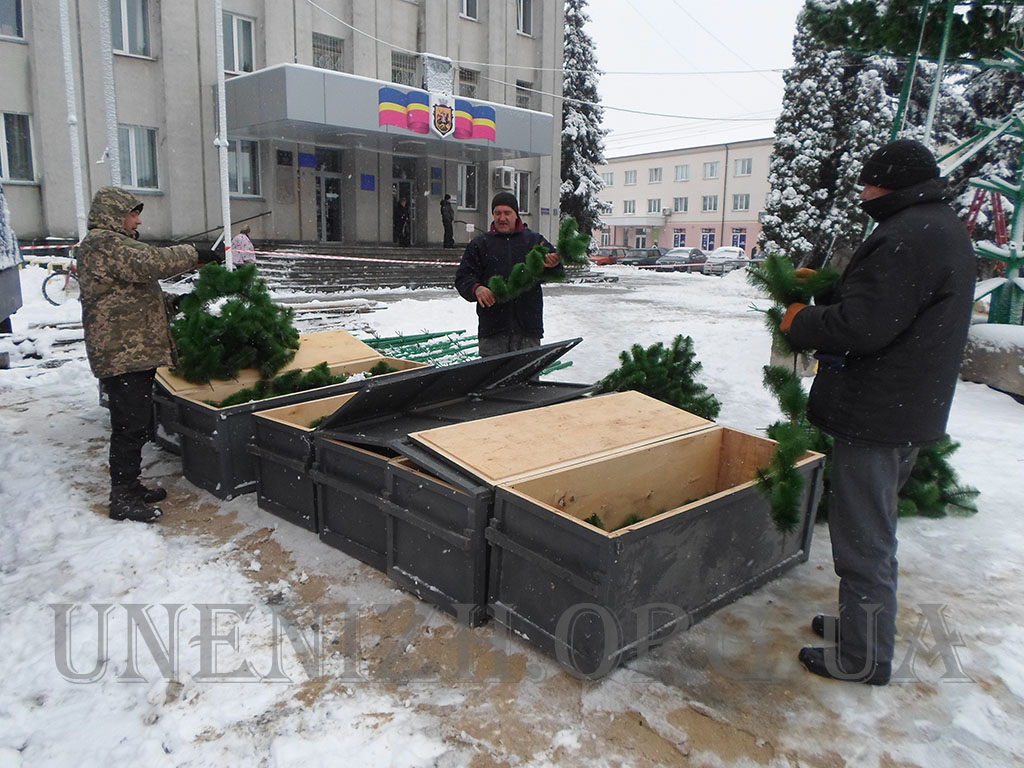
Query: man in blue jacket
point(518, 323)
point(890, 337)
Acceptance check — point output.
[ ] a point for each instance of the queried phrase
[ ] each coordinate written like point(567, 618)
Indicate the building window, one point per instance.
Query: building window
point(16, 148)
point(739, 237)
point(741, 202)
point(630, 178)
point(243, 167)
point(682, 173)
point(129, 26)
point(654, 205)
point(138, 156)
point(327, 52)
point(238, 43)
point(640, 240)
point(744, 166)
point(629, 206)
point(678, 238)
point(654, 175)
point(680, 204)
point(608, 178)
point(521, 189)
point(709, 203)
point(524, 94)
point(712, 170)
point(606, 237)
point(469, 9)
point(707, 239)
point(524, 16)
point(469, 80)
point(467, 187)
point(11, 24)
point(403, 68)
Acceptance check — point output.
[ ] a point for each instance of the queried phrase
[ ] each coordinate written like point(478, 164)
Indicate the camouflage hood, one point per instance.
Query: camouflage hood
point(109, 205)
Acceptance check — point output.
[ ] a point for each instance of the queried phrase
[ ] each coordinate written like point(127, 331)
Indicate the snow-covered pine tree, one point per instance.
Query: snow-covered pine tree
point(801, 174)
point(582, 134)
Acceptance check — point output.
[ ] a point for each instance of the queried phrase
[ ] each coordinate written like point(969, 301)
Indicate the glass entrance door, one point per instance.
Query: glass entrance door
point(328, 207)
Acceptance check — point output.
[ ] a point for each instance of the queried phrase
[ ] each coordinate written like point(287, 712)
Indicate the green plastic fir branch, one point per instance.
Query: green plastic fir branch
point(248, 331)
point(664, 374)
point(933, 489)
point(571, 247)
point(776, 276)
point(285, 384)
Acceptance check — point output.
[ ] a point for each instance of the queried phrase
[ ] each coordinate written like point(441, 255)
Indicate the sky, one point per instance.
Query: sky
point(728, 692)
point(721, 62)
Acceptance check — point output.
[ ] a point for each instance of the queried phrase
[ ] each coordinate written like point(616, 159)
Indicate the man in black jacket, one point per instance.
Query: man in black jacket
point(518, 323)
point(889, 337)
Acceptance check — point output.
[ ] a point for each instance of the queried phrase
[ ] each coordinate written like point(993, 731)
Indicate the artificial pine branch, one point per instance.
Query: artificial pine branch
point(285, 384)
point(571, 247)
point(249, 331)
point(664, 374)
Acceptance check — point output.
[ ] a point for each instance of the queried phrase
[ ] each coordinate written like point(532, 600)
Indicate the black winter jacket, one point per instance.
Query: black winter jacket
point(495, 254)
point(895, 325)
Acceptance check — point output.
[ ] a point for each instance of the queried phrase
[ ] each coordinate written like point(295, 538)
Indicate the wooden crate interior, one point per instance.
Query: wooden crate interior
point(216, 391)
point(333, 346)
point(301, 415)
point(651, 480)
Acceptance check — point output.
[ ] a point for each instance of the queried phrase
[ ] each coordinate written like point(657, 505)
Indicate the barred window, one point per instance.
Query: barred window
point(327, 52)
point(524, 94)
point(469, 80)
point(403, 68)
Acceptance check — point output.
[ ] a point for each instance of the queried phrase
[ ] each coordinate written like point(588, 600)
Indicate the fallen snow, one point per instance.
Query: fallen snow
point(732, 680)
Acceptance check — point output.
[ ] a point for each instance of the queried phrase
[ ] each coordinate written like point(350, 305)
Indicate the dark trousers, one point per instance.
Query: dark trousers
point(449, 234)
point(506, 342)
point(130, 397)
point(862, 514)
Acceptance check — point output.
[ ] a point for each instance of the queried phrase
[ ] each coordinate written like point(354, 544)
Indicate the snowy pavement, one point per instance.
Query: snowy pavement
point(226, 603)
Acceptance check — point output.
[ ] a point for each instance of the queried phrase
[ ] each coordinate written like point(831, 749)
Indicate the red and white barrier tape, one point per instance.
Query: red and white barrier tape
point(291, 254)
point(45, 247)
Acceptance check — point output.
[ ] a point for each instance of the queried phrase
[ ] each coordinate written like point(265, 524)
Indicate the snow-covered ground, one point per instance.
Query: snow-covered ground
point(205, 681)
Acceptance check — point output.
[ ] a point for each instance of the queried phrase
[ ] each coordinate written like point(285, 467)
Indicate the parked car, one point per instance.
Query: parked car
point(642, 257)
point(725, 259)
point(682, 260)
point(608, 254)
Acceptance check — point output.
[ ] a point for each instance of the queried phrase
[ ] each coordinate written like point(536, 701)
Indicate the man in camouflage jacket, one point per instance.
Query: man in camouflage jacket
point(126, 317)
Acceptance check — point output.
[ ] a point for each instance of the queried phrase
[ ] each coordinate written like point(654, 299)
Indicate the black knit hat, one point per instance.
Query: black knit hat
point(505, 198)
point(898, 164)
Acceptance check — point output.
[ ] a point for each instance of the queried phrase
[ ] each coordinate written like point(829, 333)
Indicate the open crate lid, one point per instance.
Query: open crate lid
point(417, 396)
point(515, 445)
point(334, 347)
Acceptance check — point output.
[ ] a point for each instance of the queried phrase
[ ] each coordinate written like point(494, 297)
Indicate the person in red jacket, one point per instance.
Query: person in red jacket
point(889, 340)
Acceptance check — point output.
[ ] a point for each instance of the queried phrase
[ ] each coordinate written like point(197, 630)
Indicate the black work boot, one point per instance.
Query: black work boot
point(148, 495)
point(826, 627)
point(828, 662)
point(126, 505)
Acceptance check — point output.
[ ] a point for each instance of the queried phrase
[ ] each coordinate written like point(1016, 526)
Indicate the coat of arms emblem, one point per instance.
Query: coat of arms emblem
point(444, 118)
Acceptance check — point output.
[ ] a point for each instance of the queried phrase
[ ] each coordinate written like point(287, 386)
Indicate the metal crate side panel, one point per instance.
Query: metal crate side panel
point(283, 457)
point(436, 546)
point(349, 484)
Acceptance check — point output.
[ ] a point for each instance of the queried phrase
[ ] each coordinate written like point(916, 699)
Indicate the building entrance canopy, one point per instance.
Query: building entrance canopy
point(293, 102)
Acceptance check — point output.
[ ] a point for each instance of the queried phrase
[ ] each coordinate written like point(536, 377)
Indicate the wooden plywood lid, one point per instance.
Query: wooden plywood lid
point(503, 448)
point(335, 347)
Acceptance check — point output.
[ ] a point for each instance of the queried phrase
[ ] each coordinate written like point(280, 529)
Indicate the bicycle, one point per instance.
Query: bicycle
point(62, 285)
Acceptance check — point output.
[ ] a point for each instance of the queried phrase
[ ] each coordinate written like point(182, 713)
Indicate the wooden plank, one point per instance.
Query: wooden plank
point(302, 414)
point(647, 481)
point(503, 448)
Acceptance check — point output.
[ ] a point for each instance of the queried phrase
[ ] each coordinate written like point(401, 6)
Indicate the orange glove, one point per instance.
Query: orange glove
point(791, 311)
point(805, 272)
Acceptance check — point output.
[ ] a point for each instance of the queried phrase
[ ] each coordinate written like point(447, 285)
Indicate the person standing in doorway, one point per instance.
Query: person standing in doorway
point(889, 338)
point(404, 223)
point(448, 221)
point(510, 325)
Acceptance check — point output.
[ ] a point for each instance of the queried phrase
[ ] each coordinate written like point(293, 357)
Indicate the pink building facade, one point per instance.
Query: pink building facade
point(703, 197)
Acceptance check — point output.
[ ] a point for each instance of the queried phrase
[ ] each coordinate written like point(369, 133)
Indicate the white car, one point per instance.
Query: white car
point(725, 259)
